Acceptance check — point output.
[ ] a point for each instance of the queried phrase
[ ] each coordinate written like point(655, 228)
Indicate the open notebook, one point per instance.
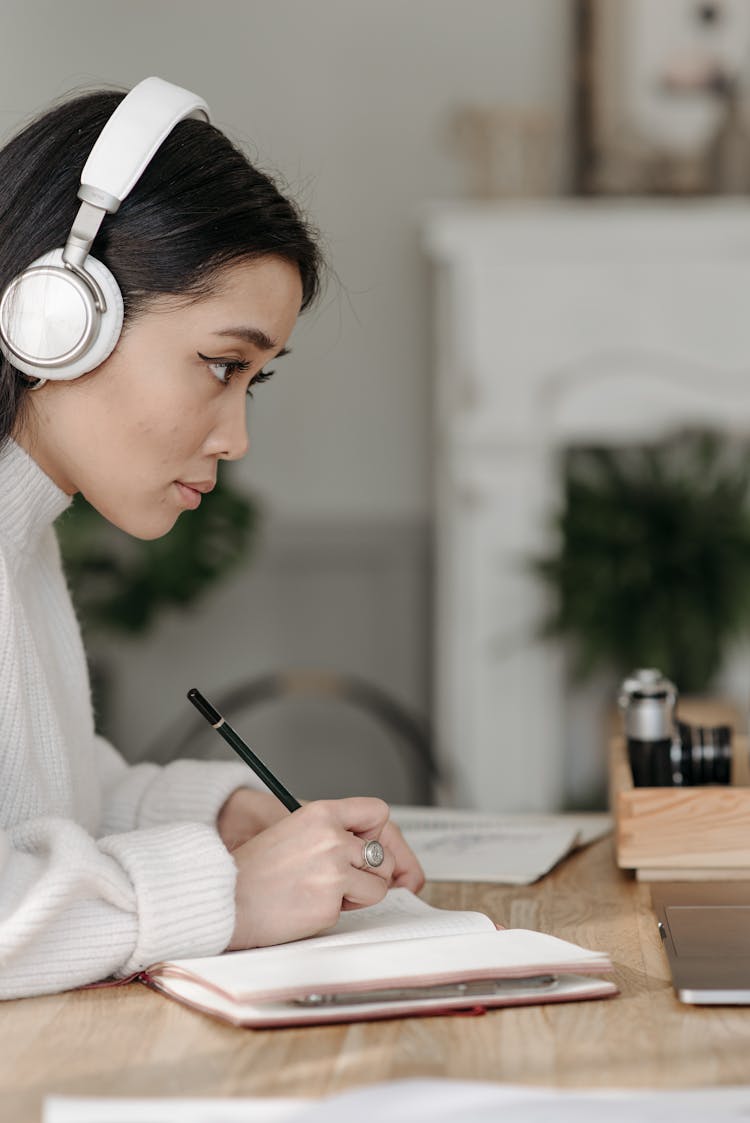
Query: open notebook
point(399, 957)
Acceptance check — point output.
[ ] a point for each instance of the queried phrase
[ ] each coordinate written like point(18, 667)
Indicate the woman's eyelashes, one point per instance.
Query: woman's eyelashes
point(225, 369)
point(261, 377)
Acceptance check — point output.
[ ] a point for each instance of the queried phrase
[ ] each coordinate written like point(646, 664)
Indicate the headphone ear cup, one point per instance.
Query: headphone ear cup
point(50, 327)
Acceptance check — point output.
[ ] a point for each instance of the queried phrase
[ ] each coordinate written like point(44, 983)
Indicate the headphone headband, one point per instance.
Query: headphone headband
point(131, 136)
point(123, 149)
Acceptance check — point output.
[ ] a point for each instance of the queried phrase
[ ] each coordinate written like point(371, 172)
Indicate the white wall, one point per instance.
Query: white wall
point(349, 100)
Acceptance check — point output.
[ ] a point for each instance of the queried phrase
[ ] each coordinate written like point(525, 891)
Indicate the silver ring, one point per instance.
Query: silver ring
point(373, 854)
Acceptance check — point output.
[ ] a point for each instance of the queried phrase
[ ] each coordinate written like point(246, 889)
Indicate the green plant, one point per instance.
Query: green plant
point(653, 566)
point(119, 583)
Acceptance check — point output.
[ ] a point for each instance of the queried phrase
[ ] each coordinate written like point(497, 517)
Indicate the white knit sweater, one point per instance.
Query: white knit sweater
point(104, 868)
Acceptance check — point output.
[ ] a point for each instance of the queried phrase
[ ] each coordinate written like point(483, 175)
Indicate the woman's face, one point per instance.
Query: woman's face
point(141, 436)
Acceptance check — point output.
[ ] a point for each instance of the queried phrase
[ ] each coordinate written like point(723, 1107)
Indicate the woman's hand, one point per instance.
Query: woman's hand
point(294, 877)
point(407, 872)
point(246, 813)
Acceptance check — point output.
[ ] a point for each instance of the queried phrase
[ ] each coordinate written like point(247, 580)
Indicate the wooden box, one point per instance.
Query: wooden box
point(684, 833)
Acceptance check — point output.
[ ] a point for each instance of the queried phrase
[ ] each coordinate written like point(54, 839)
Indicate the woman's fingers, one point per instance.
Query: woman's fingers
point(363, 819)
point(362, 815)
point(407, 872)
point(363, 889)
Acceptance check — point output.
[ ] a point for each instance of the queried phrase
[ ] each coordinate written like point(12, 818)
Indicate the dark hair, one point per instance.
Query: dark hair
point(198, 206)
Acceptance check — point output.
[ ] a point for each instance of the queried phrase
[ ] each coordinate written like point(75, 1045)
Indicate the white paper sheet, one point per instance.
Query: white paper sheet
point(69, 1109)
point(507, 849)
point(424, 1101)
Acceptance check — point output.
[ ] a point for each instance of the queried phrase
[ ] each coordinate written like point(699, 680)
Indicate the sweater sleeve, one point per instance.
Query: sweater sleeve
point(75, 911)
point(149, 795)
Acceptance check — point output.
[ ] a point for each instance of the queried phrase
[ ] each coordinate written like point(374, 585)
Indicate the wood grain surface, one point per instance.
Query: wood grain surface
point(674, 829)
point(130, 1041)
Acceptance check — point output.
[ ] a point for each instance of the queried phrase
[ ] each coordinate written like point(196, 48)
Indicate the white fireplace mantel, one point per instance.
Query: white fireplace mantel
point(555, 323)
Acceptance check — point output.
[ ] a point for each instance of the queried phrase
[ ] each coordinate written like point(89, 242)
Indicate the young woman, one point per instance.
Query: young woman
point(105, 868)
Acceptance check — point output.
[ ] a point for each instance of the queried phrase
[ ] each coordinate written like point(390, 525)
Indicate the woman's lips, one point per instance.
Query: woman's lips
point(190, 496)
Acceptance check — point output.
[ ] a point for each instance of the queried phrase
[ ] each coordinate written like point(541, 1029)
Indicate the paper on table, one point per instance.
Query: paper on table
point(433, 1101)
point(423, 1101)
point(73, 1109)
point(477, 846)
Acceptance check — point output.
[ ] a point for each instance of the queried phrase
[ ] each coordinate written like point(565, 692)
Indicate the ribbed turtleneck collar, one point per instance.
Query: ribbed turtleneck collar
point(29, 500)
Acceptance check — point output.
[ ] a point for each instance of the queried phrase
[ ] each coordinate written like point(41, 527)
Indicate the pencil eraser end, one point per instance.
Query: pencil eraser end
point(204, 706)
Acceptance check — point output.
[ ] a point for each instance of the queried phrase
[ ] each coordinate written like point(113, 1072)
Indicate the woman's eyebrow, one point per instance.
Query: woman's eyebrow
point(250, 335)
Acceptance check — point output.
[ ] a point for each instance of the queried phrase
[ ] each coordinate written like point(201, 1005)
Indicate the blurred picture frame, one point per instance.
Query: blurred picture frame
point(659, 96)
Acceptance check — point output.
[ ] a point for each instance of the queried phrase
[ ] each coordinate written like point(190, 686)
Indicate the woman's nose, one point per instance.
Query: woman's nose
point(231, 436)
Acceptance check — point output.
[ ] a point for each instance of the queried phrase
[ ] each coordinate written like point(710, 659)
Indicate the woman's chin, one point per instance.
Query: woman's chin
point(148, 531)
point(143, 525)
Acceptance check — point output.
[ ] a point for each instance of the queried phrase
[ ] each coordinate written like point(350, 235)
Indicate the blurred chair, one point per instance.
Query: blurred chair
point(308, 728)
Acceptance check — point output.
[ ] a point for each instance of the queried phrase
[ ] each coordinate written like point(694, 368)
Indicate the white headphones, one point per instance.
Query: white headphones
point(62, 316)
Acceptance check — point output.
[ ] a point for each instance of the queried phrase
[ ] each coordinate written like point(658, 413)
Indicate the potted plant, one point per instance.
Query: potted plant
point(653, 562)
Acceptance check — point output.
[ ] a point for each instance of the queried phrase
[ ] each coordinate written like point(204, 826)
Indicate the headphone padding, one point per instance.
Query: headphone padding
point(105, 336)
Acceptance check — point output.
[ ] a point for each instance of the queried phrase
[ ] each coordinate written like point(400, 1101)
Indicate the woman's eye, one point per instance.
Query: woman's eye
point(224, 369)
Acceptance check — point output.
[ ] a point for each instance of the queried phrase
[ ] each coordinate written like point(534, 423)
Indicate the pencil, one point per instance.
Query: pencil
point(233, 739)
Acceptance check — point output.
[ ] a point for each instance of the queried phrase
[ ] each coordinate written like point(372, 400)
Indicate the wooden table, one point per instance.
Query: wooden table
point(130, 1041)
